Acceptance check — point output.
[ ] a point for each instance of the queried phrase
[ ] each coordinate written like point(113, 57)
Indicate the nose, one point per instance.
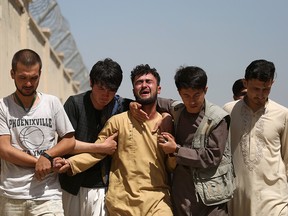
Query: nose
point(28, 84)
point(144, 84)
point(106, 92)
point(260, 94)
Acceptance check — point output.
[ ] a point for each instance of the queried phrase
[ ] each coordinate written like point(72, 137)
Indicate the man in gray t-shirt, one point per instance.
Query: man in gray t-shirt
point(29, 121)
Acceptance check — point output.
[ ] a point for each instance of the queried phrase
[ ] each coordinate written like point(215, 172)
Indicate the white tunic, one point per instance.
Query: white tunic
point(259, 143)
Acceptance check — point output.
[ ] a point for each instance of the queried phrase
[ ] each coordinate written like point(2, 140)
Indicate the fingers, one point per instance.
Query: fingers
point(161, 139)
point(137, 112)
point(113, 136)
point(59, 162)
point(42, 168)
point(64, 168)
point(62, 165)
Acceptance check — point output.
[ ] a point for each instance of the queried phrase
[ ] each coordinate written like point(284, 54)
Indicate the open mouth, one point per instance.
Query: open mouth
point(145, 92)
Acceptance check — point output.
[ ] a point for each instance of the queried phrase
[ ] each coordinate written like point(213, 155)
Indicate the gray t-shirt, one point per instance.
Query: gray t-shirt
point(32, 132)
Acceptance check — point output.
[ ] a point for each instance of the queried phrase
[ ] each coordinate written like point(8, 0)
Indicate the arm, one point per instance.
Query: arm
point(284, 143)
point(211, 155)
point(102, 148)
point(66, 143)
point(81, 162)
point(75, 112)
point(13, 155)
point(164, 105)
point(43, 166)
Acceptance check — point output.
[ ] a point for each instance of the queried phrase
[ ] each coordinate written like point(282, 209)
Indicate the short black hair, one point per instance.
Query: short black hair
point(142, 69)
point(107, 73)
point(238, 87)
point(26, 57)
point(261, 70)
point(190, 77)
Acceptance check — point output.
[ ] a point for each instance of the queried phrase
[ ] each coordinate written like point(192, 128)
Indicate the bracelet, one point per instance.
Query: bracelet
point(44, 154)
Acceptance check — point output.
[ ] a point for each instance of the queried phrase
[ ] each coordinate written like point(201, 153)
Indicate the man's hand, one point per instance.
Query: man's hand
point(61, 165)
point(167, 142)
point(109, 146)
point(42, 168)
point(137, 112)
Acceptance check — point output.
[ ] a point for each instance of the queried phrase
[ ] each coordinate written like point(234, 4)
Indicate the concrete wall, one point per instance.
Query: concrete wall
point(17, 31)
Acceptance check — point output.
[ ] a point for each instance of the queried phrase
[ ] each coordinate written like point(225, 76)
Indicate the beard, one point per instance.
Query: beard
point(146, 101)
point(24, 94)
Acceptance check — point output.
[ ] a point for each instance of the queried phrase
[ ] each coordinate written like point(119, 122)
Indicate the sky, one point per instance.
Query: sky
point(222, 37)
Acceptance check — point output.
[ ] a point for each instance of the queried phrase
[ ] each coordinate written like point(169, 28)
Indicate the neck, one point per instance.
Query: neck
point(95, 105)
point(150, 109)
point(26, 102)
point(253, 107)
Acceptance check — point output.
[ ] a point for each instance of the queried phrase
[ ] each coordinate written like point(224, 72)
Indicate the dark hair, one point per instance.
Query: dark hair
point(237, 87)
point(190, 77)
point(260, 69)
point(26, 57)
point(107, 73)
point(140, 70)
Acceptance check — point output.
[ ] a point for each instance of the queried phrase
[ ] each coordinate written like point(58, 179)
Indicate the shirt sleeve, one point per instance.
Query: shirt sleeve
point(284, 143)
point(84, 161)
point(209, 156)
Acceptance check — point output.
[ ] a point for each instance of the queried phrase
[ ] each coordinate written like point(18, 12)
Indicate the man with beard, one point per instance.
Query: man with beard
point(259, 145)
point(138, 182)
point(28, 123)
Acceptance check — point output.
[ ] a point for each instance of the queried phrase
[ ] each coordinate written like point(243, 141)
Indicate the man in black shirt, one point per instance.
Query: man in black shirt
point(84, 193)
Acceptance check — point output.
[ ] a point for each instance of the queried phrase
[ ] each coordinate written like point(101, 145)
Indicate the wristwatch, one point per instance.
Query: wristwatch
point(175, 152)
point(177, 149)
point(44, 154)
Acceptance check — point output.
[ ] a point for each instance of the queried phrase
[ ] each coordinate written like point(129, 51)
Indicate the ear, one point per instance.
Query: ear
point(158, 89)
point(90, 83)
point(12, 74)
point(206, 89)
point(245, 83)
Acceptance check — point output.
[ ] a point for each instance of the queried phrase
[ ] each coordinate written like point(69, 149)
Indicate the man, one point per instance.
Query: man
point(259, 144)
point(203, 178)
point(238, 89)
point(28, 123)
point(84, 193)
point(138, 182)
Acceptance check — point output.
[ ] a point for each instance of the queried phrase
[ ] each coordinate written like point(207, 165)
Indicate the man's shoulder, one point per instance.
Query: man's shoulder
point(120, 116)
point(229, 106)
point(49, 96)
point(80, 96)
point(274, 105)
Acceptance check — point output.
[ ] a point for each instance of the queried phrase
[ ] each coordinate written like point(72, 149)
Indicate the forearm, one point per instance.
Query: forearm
point(18, 157)
point(82, 147)
point(84, 161)
point(208, 156)
point(63, 147)
point(13, 155)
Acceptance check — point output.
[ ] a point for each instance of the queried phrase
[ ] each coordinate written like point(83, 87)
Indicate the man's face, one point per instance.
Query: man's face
point(146, 89)
point(193, 99)
point(26, 78)
point(257, 92)
point(101, 96)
